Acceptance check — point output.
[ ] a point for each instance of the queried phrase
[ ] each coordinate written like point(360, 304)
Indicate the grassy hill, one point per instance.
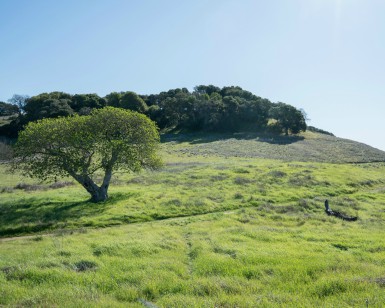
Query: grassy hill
point(232, 220)
point(309, 146)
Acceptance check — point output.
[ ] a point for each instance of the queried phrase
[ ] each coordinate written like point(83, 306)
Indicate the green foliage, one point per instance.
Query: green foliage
point(46, 105)
point(207, 108)
point(109, 139)
point(91, 101)
point(131, 101)
point(210, 108)
point(11, 125)
point(127, 100)
point(8, 109)
point(209, 90)
point(54, 108)
point(19, 101)
point(113, 99)
point(288, 118)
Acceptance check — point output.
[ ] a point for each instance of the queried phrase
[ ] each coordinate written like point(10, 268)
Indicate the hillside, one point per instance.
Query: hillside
point(193, 160)
point(307, 147)
point(220, 225)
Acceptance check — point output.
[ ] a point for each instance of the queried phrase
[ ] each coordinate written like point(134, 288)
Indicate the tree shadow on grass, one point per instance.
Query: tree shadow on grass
point(198, 138)
point(31, 215)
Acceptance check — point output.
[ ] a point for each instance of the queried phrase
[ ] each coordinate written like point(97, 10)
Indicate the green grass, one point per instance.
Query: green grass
point(191, 187)
point(307, 147)
point(209, 230)
point(244, 258)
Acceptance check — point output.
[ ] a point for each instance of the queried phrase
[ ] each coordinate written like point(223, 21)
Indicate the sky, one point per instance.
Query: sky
point(324, 56)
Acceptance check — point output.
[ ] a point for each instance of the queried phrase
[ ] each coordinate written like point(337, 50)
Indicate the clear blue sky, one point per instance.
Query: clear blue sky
point(325, 56)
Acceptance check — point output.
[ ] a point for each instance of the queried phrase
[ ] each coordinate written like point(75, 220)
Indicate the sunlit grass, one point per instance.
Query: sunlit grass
point(206, 231)
point(239, 258)
point(198, 186)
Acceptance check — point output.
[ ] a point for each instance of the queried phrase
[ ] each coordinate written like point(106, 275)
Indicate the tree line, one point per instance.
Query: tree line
point(206, 108)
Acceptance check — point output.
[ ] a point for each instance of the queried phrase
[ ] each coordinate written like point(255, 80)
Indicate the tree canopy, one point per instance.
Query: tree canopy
point(20, 101)
point(8, 109)
point(107, 140)
point(288, 118)
point(206, 108)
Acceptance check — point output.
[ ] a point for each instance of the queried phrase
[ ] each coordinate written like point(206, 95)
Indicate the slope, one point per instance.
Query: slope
point(218, 226)
point(309, 146)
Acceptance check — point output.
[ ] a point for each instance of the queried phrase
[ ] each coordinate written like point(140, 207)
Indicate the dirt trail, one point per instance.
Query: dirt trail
point(70, 231)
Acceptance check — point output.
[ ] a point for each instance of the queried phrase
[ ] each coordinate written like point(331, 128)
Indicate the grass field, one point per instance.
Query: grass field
point(214, 228)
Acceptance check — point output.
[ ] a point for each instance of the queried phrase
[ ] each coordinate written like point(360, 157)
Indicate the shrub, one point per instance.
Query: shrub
point(277, 174)
point(85, 265)
point(242, 180)
point(238, 195)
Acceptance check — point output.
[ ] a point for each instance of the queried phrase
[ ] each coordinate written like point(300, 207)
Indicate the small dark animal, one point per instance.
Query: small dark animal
point(338, 214)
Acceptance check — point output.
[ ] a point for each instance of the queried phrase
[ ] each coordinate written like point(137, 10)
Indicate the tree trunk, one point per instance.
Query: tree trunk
point(98, 194)
point(101, 192)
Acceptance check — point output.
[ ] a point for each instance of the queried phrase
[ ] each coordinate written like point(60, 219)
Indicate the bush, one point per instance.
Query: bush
point(85, 265)
point(277, 174)
point(242, 180)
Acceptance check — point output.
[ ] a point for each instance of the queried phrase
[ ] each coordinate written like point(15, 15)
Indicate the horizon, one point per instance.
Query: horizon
point(324, 56)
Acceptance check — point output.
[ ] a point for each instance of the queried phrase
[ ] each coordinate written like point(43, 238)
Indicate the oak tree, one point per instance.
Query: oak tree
point(107, 140)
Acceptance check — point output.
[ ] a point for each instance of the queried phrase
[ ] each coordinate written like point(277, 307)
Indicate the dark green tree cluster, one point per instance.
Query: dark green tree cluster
point(288, 118)
point(207, 108)
point(127, 100)
point(7, 109)
point(211, 108)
